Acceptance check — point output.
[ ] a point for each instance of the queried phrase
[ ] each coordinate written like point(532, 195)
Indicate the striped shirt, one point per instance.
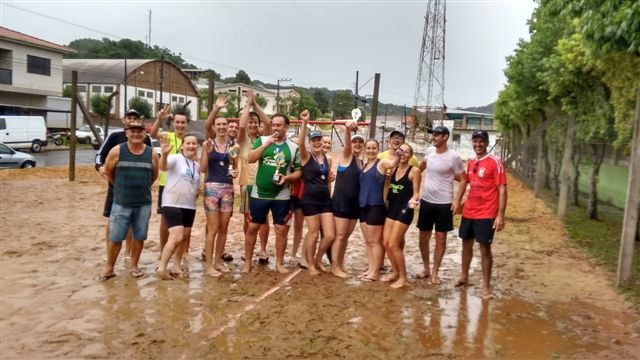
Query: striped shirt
point(133, 177)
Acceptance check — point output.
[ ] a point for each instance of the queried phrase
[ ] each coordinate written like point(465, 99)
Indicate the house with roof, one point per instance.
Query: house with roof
point(30, 72)
point(157, 82)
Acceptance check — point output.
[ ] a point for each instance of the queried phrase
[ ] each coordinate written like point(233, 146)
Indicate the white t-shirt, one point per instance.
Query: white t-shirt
point(437, 181)
point(183, 177)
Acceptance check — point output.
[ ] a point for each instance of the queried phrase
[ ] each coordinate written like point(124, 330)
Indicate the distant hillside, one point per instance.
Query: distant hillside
point(488, 109)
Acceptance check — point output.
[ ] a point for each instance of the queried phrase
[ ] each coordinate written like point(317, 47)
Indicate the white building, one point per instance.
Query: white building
point(30, 70)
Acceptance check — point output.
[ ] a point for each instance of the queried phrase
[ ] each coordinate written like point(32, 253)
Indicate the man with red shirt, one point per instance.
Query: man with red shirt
point(483, 211)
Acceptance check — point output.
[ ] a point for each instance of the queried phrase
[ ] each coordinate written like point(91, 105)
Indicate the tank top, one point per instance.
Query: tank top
point(217, 173)
point(371, 186)
point(400, 191)
point(316, 189)
point(347, 188)
point(133, 177)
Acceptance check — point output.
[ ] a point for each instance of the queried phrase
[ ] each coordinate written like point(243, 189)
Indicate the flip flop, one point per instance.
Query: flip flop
point(136, 273)
point(227, 257)
point(105, 277)
point(460, 283)
point(422, 275)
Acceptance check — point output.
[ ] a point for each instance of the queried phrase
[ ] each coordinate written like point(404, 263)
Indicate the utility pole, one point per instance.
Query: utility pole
point(210, 94)
point(374, 105)
point(355, 105)
point(149, 36)
point(161, 77)
point(278, 93)
point(72, 133)
point(126, 77)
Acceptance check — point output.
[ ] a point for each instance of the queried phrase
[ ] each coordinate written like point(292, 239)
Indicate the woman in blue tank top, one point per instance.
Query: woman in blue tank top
point(372, 207)
point(403, 197)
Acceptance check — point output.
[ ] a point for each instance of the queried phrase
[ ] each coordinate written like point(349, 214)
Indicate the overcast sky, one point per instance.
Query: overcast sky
point(315, 43)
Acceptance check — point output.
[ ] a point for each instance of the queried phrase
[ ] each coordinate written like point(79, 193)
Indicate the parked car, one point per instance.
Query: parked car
point(157, 147)
point(10, 158)
point(23, 132)
point(85, 135)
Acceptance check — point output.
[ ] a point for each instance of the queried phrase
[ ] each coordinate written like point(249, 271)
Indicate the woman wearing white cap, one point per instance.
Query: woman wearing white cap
point(345, 203)
point(315, 202)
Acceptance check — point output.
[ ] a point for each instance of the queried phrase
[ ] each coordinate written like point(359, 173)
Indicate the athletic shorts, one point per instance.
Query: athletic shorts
point(314, 209)
point(431, 214)
point(404, 215)
point(480, 229)
point(108, 202)
point(373, 214)
point(245, 195)
point(218, 197)
point(175, 216)
point(123, 217)
point(295, 203)
point(351, 215)
point(159, 205)
point(280, 211)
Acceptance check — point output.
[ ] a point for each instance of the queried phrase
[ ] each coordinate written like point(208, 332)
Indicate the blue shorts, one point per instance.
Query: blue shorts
point(280, 210)
point(123, 217)
point(480, 229)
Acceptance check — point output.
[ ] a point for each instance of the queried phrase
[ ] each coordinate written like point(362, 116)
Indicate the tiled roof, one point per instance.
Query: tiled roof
point(16, 36)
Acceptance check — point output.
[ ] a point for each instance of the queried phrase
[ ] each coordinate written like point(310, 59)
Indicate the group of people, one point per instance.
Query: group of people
point(296, 181)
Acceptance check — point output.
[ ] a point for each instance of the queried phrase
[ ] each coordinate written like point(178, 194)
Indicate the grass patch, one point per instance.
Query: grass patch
point(600, 239)
point(612, 183)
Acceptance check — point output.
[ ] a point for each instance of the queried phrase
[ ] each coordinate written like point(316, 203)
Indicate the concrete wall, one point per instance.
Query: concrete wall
point(23, 81)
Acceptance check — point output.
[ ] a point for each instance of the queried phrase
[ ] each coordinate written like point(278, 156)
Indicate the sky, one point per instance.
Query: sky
point(313, 43)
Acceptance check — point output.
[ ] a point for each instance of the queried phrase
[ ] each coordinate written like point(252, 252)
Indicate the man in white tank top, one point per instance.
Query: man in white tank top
point(437, 203)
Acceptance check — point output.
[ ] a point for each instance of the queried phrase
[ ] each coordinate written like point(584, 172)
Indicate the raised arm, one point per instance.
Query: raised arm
point(160, 118)
point(244, 117)
point(221, 101)
point(264, 119)
point(166, 149)
point(304, 154)
point(348, 127)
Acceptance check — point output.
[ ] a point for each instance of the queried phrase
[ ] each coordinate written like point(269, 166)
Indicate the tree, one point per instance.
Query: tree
point(141, 106)
point(305, 101)
point(262, 101)
point(342, 104)
point(242, 77)
point(101, 105)
point(322, 98)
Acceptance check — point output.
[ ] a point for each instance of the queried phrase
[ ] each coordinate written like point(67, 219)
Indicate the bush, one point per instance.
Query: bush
point(142, 106)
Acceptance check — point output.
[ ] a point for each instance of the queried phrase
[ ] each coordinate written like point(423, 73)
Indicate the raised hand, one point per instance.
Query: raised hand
point(304, 116)
point(207, 146)
point(165, 144)
point(164, 113)
point(221, 100)
point(251, 97)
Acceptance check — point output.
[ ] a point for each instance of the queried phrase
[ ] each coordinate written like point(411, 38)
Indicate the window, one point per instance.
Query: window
point(181, 99)
point(38, 65)
point(140, 93)
point(96, 89)
point(3, 124)
point(150, 94)
point(82, 88)
point(473, 122)
point(232, 91)
point(108, 89)
point(4, 149)
point(174, 98)
point(456, 138)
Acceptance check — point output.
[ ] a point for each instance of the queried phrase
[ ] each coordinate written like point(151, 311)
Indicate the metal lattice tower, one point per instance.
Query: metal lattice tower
point(429, 94)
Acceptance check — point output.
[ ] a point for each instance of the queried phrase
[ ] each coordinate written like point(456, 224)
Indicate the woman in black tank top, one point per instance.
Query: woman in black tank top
point(403, 197)
point(315, 202)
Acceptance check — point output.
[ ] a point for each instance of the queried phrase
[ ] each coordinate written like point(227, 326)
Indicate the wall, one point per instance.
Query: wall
point(45, 85)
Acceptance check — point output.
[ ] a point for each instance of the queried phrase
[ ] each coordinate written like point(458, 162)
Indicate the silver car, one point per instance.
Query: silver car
point(10, 158)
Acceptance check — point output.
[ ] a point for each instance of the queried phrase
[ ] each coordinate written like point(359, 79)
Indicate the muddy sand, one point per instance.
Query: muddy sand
point(551, 301)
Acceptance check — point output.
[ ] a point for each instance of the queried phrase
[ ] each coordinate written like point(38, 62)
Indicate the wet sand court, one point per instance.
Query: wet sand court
point(550, 301)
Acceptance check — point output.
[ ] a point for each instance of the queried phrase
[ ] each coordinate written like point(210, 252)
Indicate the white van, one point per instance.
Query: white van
point(22, 132)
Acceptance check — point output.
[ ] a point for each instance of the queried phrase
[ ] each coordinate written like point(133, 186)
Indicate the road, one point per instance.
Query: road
point(61, 157)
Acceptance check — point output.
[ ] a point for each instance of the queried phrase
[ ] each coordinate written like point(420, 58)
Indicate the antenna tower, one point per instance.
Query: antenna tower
point(149, 37)
point(429, 95)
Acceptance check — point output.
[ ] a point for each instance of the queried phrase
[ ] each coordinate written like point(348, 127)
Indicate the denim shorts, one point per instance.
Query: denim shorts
point(123, 217)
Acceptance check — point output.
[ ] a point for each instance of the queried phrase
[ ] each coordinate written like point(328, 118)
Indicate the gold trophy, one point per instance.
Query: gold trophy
point(279, 158)
point(233, 156)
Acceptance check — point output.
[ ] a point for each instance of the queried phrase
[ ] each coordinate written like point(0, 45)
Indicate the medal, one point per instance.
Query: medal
point(221, 163)
point(322, 177)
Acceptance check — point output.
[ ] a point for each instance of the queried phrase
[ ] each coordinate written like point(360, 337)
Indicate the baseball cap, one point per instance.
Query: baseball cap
point(480, 133)
point(315, 134)
point(439, 130)
point(357, 136)
point(136, 124)
point(396, 132)
point(132, 112)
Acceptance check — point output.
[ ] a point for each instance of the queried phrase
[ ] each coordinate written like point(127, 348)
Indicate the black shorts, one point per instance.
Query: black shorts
point(480, 229)
point(404, 215)
point(280, 211)
point(315, 209)
point(373, 214)
point(159, 206)
point(108, 202)
point(351, 215)
point(295, 203)
point(438, 214)
point(174, 216)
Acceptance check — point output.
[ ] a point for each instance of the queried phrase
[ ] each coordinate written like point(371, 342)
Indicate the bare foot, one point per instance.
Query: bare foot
point(176, 271)
point(213, 272)
point(389, 278)
point(282, 269)
point(423, 275)
point(323, 268)
point(246, 268)
point(486, 294)
point(221, 268)
point(313, 271)
point(400, 283)
point(339, 273)
point(435, 280)
point(163, 274)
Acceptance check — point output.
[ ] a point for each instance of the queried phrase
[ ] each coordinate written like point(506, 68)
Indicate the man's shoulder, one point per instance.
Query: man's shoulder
point(383, 155)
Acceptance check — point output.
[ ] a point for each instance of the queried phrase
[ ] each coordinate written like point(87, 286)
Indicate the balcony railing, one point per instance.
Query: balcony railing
point(5, 76)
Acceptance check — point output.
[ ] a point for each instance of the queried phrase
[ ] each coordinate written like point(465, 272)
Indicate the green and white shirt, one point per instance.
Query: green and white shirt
point(265, 188)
